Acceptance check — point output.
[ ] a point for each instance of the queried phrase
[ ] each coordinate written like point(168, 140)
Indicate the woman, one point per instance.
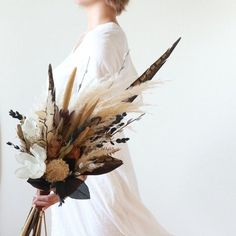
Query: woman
point(115, 207)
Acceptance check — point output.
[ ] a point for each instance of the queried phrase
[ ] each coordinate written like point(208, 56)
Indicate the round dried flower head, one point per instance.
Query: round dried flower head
point(57, 170)
point(118, 5)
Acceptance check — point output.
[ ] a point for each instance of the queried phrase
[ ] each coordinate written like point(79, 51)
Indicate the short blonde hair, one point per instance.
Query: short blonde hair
point(118, 5)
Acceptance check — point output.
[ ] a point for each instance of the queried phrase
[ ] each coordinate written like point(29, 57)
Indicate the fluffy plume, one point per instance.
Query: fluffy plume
point(68, 90)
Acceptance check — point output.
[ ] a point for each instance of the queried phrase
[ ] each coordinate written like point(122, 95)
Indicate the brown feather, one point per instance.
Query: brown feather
point(153, 69)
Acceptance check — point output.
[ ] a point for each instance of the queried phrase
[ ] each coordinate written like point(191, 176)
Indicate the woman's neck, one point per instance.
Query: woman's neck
point(99, 13)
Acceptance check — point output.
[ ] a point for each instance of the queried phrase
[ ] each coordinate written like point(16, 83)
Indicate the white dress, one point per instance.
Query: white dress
point(115, 207)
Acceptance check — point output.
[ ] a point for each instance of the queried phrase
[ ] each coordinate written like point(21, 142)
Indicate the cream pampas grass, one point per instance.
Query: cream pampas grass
point(68, 90)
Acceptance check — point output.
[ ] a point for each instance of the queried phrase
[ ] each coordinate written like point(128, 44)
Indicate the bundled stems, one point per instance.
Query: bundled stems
point(34, 220)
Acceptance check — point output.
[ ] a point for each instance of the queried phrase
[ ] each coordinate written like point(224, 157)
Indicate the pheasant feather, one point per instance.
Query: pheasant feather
point(50, 105)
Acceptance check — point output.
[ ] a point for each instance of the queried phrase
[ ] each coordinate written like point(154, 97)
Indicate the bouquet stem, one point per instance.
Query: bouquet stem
point(34, 220)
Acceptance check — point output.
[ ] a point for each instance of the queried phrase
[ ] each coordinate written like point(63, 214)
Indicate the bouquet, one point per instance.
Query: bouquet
point(78, 135)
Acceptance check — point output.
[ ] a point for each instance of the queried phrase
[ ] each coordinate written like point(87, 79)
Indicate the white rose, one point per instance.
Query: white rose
point(33, 165)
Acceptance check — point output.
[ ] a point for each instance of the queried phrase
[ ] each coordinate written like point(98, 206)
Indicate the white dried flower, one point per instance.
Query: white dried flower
point(31, 129)
point(33, 165)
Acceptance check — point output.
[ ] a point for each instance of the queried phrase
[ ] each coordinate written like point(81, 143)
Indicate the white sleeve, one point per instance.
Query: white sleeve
point(107, 52)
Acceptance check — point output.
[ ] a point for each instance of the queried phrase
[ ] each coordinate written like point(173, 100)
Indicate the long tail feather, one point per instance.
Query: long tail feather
point(153, 69)
point(51, 105)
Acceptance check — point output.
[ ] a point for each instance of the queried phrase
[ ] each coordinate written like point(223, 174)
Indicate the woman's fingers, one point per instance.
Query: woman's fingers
point(41, 203)
point(83, 177)
point(45, 200)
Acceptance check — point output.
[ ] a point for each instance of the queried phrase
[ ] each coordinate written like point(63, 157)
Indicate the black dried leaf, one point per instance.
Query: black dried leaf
point(39, 183)
point(82, 192)
point(67, 187)
point(70, 162)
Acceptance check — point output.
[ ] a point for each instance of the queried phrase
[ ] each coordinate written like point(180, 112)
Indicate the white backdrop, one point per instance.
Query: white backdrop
point(184, 152)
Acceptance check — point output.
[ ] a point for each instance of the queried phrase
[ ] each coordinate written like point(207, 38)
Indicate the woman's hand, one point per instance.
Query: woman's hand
point(46, 201)
point(83, 177)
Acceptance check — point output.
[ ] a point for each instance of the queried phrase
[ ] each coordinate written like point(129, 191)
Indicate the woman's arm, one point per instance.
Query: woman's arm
point(107, 50)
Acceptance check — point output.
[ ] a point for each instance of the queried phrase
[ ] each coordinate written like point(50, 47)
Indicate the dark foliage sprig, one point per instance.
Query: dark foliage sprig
point(16, 115)
point(12, 144)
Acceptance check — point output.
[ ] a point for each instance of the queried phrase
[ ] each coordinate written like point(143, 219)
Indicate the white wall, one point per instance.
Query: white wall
point(184, 153)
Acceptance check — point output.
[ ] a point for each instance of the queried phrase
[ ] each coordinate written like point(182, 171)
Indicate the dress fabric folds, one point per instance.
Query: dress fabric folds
point(115, 207)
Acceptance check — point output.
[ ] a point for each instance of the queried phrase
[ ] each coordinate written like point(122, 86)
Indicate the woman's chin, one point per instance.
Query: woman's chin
point(79, 2)
point(83, 2)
